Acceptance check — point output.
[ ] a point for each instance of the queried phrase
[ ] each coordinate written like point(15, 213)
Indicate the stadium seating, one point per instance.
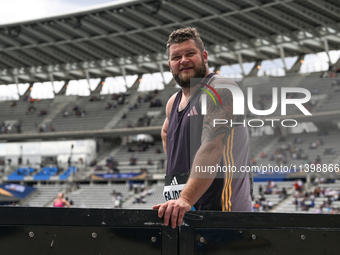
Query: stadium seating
point(153, 199)
point(329, 141)
point(44, 195)
point(98, 118)
point(275, 197)
point(97, 195)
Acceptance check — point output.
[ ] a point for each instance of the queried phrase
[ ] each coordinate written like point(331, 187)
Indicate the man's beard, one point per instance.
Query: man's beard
point(199, 72)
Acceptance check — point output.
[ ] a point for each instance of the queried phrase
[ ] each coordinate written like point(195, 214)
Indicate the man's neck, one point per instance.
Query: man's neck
point(187, 92)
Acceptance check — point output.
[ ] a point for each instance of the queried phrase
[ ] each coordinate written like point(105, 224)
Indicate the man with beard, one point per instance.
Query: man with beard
point(192, 143)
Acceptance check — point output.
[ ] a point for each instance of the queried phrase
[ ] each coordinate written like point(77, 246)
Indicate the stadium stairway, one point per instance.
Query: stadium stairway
point(57, 108)
point(286, 206)
point(118, 116)
point(155, 198)
point(259, 142)
point(268, 145)
point(45, 195)
point(101, 158)
point(336, 160)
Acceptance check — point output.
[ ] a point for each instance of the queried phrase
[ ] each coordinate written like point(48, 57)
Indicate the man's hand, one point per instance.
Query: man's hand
point(174, 209)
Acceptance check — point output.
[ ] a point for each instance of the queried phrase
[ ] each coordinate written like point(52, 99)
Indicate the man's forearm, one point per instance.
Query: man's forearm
point(199, 181)
point(164, 145)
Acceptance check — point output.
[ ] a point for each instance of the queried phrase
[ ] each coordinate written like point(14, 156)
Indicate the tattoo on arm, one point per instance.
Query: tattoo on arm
point(209, 132)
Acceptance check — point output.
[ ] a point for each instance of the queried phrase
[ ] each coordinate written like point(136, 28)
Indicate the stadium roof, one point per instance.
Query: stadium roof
point(129, 37)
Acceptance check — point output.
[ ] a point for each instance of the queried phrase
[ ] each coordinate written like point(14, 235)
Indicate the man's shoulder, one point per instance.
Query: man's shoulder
point(220, 79)
point(170, 104)
point(172, 99)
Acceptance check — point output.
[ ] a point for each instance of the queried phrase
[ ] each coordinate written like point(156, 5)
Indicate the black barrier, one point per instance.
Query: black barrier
point(75, 231)
point(259, 233)
point(104, 231)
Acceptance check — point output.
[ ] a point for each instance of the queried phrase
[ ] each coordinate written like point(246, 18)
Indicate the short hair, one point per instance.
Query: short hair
point(183, 34)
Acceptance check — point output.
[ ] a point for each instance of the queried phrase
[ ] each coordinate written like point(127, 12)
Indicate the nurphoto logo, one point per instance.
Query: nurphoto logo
point(238, 104)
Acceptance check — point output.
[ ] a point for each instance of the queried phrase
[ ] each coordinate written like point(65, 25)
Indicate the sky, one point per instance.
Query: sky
point(23, 10)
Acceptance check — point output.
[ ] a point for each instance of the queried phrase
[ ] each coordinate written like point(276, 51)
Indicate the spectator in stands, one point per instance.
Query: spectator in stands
point(120, 100)
point(149, 162)
point(148, 121)
point(109, 161)
point(65, 114)
point(113, 193)
point(94, 98)
point(317, 160)
point(312, 146)
point(69, 161)
point(140, 121)
point(108, 106)
point(98, 167)
point(260, 190)
point(298, 185)
point(296, 203)
point(115, 170)
point(60, 201)
point(269, 205)
point(283, 193)
point(131, 107)
point(161, 163)
point(3, 128)
point(319, 142)
point(324, 75)
point(155, 103)
point(268, 190)
point(142, 146)
point(257, 206)
point(133, 160)
point(40, 129)
point(118, 199)
point(329, 151)
point(117, 204)
point(93, 162)
point(137, 200)
point(42, 112)
point(263, 155)
point(18, 126)
point(319, 209)
point(30, 109)
point(297, 140)
point(143, 199)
